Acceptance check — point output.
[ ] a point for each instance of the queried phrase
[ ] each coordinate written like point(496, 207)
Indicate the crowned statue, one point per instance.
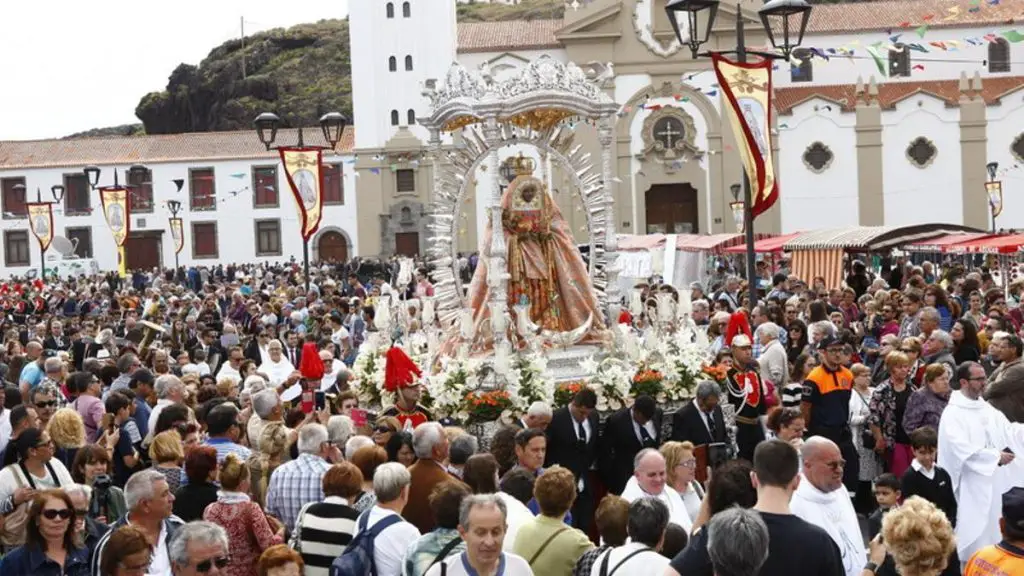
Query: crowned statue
point(546, 270)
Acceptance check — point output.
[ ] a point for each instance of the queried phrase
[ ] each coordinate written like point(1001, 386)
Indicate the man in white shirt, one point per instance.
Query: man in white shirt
point(977, 444)
point(482, 522)
point(648, 518)
point(821, 499)
point(649, 480)
point(391, 485)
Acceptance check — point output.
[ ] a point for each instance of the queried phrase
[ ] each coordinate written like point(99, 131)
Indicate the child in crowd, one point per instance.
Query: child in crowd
point(887, 495)
point(924, 478)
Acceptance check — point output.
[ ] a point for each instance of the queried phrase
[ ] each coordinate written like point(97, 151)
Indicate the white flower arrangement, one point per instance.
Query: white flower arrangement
point(610, 381)
point(526, 382)
point(459, 377)
point(684, 359)
point(449, 387)
point(368, 377)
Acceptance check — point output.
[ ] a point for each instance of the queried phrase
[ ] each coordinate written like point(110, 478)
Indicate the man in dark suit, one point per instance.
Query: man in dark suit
point(293, 348)
point(537, 416)
point(573, 443)
point(627, 432)
point(701, 421)
point(56, 340)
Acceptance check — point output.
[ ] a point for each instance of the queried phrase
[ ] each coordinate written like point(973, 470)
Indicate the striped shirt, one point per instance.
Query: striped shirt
point(225, 446)
point(322, 531)
point(792, 394)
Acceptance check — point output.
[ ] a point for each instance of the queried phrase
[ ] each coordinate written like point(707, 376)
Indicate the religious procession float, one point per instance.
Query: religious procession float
point(537, 322)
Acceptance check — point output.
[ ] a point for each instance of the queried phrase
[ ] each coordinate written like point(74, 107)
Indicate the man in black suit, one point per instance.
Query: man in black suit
point(573, 443)
point(537, 416)
point(627, 432)
point(701, 421)
point(293, 348)
point(56, 340)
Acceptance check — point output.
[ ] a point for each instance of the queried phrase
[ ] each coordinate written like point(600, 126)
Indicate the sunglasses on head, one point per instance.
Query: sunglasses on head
point(52, 514)
point(220, 562)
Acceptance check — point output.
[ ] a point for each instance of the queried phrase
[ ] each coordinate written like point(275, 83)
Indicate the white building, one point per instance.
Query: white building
point(235, 200)
point(901, 141)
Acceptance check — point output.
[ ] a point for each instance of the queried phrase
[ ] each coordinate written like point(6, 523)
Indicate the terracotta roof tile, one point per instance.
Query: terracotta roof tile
point(191, 147)
point(910, 14)
point(508, 35)
point(891, 93)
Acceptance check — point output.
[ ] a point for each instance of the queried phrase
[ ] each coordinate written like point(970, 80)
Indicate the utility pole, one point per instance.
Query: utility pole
point(243, 19)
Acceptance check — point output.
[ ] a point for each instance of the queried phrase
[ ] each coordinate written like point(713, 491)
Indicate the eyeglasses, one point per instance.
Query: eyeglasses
point(383, 429)
point(220, 562)
point(690, 464)
point(52, 514)
point(836, 465)
point(47, 404)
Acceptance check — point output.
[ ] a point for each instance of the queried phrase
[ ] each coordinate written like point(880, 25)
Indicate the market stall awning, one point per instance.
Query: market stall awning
point(711, 243)
point(765, 245)
point(1002, 244)
point(872, 238)
point(942, 243)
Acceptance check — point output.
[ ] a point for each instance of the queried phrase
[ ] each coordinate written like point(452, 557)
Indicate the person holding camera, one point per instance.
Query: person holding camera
point(92, 468)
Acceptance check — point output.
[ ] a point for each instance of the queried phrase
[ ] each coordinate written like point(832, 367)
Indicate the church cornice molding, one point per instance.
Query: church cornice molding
point(577, 30)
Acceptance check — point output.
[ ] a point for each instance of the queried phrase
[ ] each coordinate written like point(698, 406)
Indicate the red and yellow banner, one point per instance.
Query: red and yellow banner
point(40, 219)
point(115, 210)
point(303, 170)
point(748, 97)
point(177, 234)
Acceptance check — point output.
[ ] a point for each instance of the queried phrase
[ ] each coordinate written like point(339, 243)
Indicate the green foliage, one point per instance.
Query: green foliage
point(498, 12)
point(122, 130)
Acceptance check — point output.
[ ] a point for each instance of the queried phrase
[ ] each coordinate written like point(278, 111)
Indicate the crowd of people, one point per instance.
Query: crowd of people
point(160, 426)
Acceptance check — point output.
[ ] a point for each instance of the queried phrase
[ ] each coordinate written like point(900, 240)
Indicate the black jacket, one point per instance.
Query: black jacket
point(620, 446)
point(51, 343)
point(191, 500)
point(563, 447)
point(688, 424)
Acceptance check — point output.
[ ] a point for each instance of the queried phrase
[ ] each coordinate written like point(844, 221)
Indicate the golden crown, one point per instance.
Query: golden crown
point(522, 165)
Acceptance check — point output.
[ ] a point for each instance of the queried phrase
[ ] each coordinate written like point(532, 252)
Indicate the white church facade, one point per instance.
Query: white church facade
point(888, 117)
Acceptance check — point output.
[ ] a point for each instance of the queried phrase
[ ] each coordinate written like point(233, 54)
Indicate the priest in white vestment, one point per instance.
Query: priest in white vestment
point(822, 500)
point(650, 479)
point(976, 446)
point(278, 369)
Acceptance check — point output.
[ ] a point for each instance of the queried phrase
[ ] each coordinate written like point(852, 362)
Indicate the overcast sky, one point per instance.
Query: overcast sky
point(72, 65)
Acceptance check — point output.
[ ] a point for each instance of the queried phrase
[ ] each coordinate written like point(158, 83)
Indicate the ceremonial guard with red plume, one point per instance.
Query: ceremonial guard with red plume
point(746, 391)
point(401, 377)
point(312, 369)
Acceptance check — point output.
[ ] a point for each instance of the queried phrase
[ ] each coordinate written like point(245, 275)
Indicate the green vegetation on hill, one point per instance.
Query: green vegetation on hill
point(498, 12)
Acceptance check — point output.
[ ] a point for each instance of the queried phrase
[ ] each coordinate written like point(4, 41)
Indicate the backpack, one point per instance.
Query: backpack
point(357, 559)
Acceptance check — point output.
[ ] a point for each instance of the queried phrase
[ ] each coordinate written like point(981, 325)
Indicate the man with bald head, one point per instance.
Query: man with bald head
point(650, 480)
point(32, 374)
point(822, 500)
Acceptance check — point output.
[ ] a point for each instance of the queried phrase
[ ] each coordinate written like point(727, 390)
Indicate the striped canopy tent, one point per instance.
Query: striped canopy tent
point(714, 243)
point(820, 253)
point(765, 245)
point(944, 243)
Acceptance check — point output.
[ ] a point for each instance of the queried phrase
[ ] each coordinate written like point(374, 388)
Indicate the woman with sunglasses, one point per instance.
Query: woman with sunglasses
point(49, 548)
point(35, 470)
point(385, 427)
point(127, 553)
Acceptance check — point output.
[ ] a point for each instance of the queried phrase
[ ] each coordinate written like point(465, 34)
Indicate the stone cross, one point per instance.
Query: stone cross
point(668, 133)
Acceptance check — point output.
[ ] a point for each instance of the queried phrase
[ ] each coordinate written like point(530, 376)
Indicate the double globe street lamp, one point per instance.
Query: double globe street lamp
point(784, 22)
point(332, 125)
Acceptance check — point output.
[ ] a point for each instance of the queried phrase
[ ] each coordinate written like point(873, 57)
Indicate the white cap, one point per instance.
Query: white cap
point(741, 341)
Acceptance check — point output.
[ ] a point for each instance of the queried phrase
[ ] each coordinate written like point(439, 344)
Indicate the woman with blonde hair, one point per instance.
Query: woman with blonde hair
point(249, 528)
point(681, 467)
point(888, 404)
point(860, 412)
point(919, 538)
point(67, 430)
point(167, 453)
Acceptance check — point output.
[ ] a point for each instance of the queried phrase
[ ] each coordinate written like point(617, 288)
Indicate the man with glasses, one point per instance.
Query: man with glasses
point(230, 368)
point(977, 446)
point(826, 404)
point(1006, 384)
point(821, 500)
point(200, 548)
point(44, 399)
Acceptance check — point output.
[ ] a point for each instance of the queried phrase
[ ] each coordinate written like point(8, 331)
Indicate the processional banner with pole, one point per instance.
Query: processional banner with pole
point(747, 88)
point(40, 216)
point(116, 212)
point(302, 168)
point(177, 233)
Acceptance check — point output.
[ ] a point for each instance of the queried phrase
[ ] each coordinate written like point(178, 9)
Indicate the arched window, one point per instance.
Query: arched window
point(999, 55)
point(406, 10)
point(899, 61)
point(391, 10)
point(801, 68)
point(408, 63)
point(392, 64)
point(411, 116)
point(394, 117)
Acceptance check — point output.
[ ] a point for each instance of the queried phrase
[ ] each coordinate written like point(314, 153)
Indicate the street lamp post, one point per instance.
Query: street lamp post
point(775, 15)
point(92, 174)
point(332, 125)
point(57, 191)
point(994, 188)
